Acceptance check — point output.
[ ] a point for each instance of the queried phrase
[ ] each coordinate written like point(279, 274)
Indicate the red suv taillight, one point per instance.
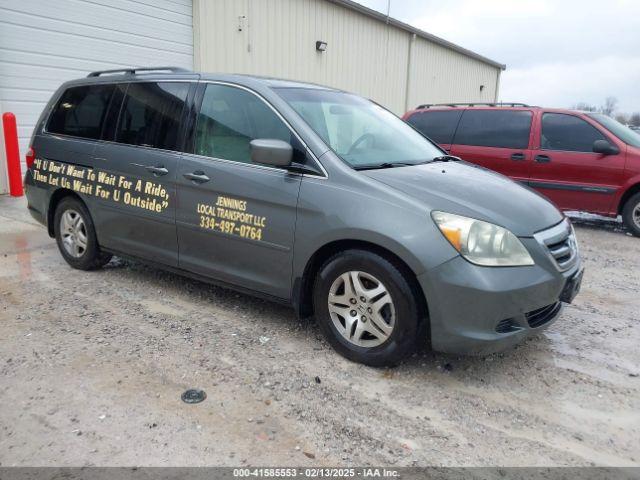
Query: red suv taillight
point(31, 156)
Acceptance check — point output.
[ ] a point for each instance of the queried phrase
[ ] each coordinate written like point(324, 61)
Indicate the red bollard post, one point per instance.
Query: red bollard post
point(13, 154)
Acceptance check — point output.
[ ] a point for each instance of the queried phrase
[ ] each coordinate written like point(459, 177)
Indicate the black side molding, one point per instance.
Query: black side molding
point(576, 188)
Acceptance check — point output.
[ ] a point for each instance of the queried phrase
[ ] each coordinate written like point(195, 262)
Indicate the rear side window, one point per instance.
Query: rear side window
point(495, 128)
point(439, 126)
point(81, 111)
point(150, 115)
point(230, 118)
point(567, 133)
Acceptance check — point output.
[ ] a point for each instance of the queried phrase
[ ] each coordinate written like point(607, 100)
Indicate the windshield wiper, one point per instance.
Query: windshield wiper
point(382, 165)
point(441, 158)
point(445, 158)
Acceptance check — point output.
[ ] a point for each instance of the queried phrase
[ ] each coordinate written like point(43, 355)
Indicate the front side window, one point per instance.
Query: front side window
point(624, 133)
point(230, 118)
point(495, 128)
point(80, 112)
point(360, 132)
point(439, 126)
point(150, 114)
point(567, 133)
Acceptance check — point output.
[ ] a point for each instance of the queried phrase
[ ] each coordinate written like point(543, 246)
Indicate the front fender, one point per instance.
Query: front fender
point(376, 214)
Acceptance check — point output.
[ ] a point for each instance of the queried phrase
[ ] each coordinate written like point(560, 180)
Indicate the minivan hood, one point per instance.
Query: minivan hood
point(466, 189)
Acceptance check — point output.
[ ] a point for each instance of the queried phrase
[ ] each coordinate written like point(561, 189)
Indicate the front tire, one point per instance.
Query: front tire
point(631, 214)
point(76, 236)
point(366, 308)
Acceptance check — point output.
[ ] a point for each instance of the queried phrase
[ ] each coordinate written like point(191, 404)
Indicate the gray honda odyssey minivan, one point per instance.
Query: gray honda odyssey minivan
point(305, 195)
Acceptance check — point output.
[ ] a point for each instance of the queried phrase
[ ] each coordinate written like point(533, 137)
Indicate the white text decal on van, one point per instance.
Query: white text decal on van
point(106, 186)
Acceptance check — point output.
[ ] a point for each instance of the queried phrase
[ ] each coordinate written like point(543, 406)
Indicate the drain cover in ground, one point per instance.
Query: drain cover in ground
point(193, 396)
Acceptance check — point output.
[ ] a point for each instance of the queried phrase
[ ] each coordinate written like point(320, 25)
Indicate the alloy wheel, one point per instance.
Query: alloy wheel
point(361, 309)
point(74, 233)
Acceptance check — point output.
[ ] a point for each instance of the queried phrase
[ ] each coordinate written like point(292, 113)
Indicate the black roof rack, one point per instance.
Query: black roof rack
point(133, 71)
point(475, 104)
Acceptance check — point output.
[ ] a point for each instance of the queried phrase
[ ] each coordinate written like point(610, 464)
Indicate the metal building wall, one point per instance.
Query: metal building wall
point(438, 74)
point(278, 38)
point(364, 54)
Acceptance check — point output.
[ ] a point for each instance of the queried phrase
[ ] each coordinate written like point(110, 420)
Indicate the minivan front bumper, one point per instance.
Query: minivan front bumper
point(477, 310)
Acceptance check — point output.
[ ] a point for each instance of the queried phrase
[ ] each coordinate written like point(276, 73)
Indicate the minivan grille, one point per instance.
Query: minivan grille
point(560, 242)
point(561, 252)
point(507, 325)
point(537, 318)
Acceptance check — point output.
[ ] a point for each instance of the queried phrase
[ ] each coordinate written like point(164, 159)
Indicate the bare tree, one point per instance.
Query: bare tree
point(634, 119)
point(585, 107)
point(609, 106)
point(623, 118)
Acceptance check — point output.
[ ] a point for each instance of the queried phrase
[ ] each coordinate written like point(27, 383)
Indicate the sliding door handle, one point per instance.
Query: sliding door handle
point(197, 177)
point(157, 171)
point(542, 158)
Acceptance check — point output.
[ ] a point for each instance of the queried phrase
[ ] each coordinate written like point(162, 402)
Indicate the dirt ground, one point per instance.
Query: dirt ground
point(92, 366)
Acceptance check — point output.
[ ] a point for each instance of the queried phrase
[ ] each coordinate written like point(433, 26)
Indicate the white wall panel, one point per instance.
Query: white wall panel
point(279, 37)
point(440, 75)
point(364, 54)
point(44, 43)
point(4, 181)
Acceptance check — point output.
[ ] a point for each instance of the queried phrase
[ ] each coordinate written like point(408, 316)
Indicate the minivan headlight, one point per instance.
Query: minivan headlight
point(481, 242)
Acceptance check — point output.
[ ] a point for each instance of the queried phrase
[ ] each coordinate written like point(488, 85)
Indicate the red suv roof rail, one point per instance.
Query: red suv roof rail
point(495, 104)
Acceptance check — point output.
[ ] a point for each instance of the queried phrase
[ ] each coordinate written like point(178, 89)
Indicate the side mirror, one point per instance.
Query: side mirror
point(269, 151)
point(605, 148)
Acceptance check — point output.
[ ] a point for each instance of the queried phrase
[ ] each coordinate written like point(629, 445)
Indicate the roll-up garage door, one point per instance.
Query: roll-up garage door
point(44, 43)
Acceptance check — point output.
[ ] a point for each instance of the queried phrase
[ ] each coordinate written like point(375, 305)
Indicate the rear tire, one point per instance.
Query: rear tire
point(631, 214)
point(366, 308)
point(76, 236)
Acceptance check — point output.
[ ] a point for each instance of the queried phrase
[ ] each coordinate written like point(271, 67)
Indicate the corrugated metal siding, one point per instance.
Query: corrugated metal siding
point(439, 75)
point(44, 43)
point(279, 37)
point(364, 55)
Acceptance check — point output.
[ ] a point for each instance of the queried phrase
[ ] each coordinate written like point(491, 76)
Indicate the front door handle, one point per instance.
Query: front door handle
point(542, 158)
point(518, 157)
point(197, 177)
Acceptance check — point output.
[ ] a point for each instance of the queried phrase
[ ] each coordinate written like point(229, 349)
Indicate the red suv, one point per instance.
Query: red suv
point(579, 160)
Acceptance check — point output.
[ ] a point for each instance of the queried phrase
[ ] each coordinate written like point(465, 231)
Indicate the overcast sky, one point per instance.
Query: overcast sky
point(557, 52)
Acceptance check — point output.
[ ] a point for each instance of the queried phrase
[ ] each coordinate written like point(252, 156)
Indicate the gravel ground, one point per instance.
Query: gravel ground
point(92, 366)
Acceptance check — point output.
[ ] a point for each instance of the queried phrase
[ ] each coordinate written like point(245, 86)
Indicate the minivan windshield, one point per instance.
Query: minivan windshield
point(363, 134)
point(625, 134)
